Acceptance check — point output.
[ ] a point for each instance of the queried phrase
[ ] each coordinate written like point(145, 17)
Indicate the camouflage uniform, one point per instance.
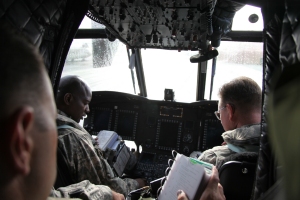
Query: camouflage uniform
point(83, 190)
point(85, 160)
point(243, 139)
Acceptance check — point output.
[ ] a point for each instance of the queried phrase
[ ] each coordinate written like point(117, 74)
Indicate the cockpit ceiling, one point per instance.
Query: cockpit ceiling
point(165, 24)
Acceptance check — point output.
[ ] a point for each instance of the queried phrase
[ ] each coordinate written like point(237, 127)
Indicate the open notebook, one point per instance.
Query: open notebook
point(187, 174)
point(107, 139)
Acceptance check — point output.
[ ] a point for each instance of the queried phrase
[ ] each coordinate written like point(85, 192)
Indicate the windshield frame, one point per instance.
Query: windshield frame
point(238, 36)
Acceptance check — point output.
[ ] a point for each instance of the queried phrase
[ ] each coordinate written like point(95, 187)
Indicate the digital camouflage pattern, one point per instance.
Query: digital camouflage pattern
point(83, 190)
point(86, 161)
point(54, 198)
point(246, 138)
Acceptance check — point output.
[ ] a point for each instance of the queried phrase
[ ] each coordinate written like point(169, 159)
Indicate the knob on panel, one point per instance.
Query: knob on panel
point(186, 149)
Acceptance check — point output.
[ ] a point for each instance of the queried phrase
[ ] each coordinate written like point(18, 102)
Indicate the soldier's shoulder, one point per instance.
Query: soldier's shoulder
point(53, 198)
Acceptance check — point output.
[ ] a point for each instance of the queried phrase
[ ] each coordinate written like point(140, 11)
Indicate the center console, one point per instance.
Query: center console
point(156, 127)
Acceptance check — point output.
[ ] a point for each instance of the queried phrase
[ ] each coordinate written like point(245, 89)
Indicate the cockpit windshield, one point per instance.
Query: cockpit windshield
point(105, 69)
point(170, 70)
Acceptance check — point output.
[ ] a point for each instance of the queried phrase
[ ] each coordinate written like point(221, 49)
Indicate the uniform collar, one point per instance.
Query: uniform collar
point(62, 113)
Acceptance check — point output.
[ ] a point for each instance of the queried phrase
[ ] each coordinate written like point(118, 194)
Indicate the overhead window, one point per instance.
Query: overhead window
point(241, 20)
point(87, 23)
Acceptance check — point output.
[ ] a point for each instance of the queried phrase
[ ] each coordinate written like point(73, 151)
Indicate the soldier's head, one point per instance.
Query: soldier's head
point(73, 97)
point(27, 120)
point(240, 103)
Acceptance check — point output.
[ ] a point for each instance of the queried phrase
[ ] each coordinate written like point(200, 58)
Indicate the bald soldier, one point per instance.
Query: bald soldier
point(84, 159)
point(27, 124)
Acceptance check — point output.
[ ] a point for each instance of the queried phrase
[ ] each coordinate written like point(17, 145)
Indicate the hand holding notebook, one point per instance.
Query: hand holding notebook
point(187, 174)
point(213, 190)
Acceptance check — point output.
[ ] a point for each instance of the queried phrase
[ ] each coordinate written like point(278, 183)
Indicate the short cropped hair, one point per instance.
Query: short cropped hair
point(21, 77)
point(70, 84)
point(243, 92)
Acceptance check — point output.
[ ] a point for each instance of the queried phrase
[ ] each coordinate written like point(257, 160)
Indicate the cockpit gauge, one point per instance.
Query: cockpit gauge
point(187, 138)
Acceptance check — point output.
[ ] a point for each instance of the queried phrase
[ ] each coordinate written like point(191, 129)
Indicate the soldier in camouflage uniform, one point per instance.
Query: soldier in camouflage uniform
point(84, 159)
point(240, 115)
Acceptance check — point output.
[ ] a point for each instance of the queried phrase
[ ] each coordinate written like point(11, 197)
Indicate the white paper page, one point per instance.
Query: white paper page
point(184, 175)
point(104, 138)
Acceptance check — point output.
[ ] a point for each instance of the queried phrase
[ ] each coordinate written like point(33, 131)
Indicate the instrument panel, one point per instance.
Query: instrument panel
point(156, 127)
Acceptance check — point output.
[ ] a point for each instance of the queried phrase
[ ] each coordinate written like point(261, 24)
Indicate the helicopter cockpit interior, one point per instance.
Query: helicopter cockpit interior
point(160, 99)
point(155, 66)
point(158, 119)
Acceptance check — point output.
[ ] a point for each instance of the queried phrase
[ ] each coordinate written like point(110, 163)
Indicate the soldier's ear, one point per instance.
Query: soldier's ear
point(231, 111)
point(20, 141)
point(68, 98)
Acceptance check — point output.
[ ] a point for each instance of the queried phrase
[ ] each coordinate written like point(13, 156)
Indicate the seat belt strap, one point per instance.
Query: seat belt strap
point(64, 126)
point(236, 148)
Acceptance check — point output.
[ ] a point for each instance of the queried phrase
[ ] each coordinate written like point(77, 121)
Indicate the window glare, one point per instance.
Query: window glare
point(167, 69)
point(102, 64)
point(241, 19)
point(87, 23)
point(235, 59)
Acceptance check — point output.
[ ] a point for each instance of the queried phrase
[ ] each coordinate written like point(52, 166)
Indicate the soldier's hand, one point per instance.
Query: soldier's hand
point(117, 196)
point(213, 190)
point(142, 182)
point(181, 195)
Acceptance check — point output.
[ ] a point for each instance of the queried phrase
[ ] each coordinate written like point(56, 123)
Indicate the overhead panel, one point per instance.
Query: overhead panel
point(166, 24)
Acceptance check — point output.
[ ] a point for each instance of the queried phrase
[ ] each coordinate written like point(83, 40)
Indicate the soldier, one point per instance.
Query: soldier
point(84, 160)
point(240, 115)
point(27, 124)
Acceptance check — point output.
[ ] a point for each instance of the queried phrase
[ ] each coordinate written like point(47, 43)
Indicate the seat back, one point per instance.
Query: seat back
point(237, 179)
